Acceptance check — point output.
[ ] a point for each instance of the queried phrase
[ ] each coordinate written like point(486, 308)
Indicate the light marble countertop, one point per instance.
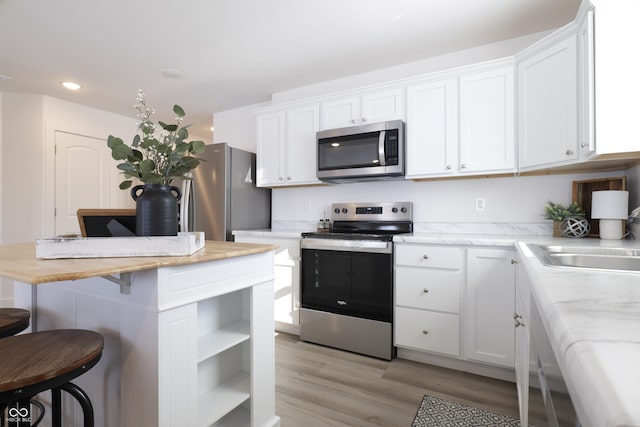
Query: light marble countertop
point(592, 319)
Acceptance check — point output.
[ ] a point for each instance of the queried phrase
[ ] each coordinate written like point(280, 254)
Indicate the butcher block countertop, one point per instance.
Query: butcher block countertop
point(19, 262)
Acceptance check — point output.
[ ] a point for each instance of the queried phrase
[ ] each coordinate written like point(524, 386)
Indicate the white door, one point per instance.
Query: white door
point(84, 178)
point(270, 145)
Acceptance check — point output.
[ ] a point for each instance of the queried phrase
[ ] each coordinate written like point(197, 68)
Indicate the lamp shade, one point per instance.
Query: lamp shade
point(610, 204)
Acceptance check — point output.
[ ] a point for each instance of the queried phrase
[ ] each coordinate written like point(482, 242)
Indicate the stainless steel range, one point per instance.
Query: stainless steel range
point(347, 278)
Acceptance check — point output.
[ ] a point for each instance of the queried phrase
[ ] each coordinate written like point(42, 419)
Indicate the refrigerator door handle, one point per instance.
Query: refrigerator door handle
point(186, 211)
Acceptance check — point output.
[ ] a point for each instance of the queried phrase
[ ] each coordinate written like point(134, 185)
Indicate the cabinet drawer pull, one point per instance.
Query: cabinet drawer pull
point(364, 119)
point(353, 120)
point(425, 332)
point(340, 302)
point(425, 290)
point(569, 152)
point(425, 256)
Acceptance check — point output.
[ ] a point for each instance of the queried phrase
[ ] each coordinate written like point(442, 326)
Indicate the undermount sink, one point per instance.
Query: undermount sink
point(599, 258)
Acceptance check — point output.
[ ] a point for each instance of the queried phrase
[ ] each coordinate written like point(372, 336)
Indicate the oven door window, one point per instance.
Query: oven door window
point(349, 283)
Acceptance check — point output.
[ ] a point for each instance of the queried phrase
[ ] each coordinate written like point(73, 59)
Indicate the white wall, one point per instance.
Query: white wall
point(22, 167)
point(237, 127)
point(27, 162)
point(502, 49)
point(509, 199)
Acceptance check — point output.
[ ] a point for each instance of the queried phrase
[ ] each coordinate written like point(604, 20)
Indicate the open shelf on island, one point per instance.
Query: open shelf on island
point(222, 339)
point(220, 401)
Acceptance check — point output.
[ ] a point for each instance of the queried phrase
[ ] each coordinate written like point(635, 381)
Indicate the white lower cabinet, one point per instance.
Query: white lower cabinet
point(456, 302)
point(490, 300)
point(286, 285)
point(522, 356)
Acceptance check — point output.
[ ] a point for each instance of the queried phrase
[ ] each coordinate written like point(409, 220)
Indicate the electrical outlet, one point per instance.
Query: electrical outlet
point(480, 204)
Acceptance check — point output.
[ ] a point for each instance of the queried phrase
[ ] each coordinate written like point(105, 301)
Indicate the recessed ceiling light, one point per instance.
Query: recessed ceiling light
point(71, 85)
point(170, 73)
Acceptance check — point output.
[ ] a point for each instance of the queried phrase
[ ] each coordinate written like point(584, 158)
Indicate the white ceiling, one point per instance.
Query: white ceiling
point(237, 52)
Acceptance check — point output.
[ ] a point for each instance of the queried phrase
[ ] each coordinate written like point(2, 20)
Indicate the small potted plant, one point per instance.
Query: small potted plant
point(558, 214)
point(157, 155)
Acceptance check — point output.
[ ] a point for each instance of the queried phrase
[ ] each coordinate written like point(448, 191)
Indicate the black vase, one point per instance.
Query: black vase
point(156, 209)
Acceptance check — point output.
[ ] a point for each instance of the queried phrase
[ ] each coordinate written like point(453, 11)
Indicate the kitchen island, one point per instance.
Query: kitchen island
point(188, 340)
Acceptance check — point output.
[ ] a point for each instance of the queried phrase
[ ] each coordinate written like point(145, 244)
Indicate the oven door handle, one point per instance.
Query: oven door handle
point(368, 246)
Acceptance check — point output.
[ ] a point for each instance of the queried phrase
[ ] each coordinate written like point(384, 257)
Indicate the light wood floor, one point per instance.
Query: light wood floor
point(320, 386)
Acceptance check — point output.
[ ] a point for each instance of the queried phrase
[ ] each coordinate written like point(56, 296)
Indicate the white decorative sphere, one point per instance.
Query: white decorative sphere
point(575, 226)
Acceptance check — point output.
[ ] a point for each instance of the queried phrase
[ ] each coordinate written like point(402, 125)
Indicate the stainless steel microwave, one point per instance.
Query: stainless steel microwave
point(362, 153)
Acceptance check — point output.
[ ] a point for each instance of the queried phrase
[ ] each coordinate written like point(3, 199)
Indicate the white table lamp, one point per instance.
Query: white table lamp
point(611, 207)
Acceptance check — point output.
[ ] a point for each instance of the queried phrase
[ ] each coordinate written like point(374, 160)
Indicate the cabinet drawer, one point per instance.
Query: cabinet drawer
point(429, 289)
point(426, 330)
point(429, 256)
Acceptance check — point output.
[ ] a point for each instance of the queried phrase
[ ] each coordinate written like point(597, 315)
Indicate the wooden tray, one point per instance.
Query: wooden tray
point(582, 194)
point(183, 244)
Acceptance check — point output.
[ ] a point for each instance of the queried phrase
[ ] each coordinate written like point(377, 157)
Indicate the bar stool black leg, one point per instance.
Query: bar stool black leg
point(56, 407)
point(83, 400)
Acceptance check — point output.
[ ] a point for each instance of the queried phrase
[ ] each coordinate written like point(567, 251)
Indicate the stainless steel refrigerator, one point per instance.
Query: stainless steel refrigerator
point(223, 196)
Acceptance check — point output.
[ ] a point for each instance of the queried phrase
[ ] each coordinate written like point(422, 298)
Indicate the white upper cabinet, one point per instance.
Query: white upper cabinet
point(368, 107)
point(270, 149)
point(432, 128)
point(286, 146)
point(487, 140)
point(548, 107)
point(586, 85)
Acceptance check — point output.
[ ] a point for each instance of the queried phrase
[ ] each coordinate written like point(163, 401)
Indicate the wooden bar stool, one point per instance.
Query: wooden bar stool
point(12, 321)
point(47, 360)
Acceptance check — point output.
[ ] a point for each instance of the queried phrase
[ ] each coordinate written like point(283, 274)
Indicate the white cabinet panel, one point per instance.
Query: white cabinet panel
point(287, 280)
point(429, 289)
point(427, 330)
point(432, 128)
point(548, 107)
point(369, 107)
point(340, 113)
point(270, 148)
point(487, 140)
point(490, 306)
point(301, 152)
point(430, 256)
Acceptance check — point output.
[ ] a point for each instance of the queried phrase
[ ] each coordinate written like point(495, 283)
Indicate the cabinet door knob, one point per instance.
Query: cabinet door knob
point(288, 178)
point(280, 178)
point(569, 152)
point(584, 145)
point(364, 119)
point(425, 290)
point(353, 120)
point(425, 256)
point(463, 166)
point(513, 261)
point(448, 166)
point(425, 332)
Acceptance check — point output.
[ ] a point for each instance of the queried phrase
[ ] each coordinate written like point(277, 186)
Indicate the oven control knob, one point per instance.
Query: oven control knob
point(344, 210)
point(403, 210)
point(337, 210)
point(394, 210)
